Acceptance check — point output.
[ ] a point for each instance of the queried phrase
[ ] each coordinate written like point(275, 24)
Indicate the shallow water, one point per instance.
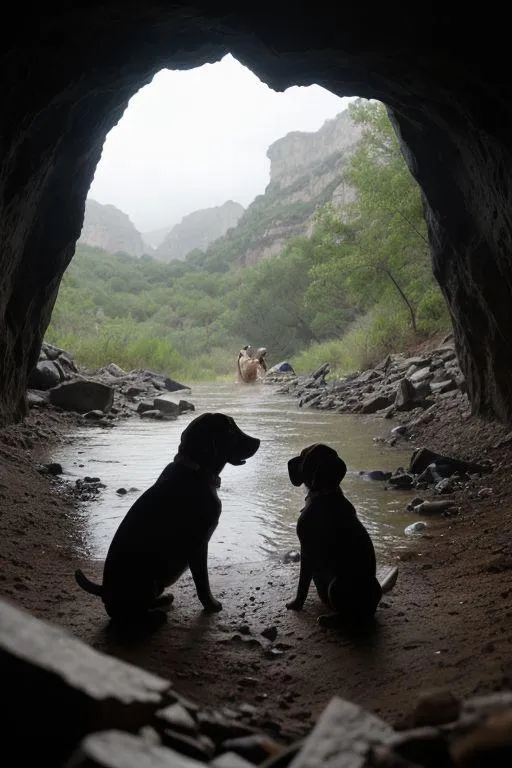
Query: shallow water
point(259, 504)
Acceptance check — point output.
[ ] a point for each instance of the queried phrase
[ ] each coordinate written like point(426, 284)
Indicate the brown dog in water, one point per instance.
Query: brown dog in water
point(168, 528)
point(337, 552)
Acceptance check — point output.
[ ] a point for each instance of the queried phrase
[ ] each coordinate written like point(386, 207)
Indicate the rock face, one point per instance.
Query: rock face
point(61, 95)
point(306, 171)
point(106, 227)
point(198, 230)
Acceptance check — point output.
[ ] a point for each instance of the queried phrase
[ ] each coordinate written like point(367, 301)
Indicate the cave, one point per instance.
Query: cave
point(69, 71)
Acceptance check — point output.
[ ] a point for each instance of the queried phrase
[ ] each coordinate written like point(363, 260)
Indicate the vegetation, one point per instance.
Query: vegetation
point(357, 288)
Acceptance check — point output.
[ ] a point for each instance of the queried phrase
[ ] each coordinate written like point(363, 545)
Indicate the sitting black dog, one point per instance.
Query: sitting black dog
point(336, 550)
point(169, 526)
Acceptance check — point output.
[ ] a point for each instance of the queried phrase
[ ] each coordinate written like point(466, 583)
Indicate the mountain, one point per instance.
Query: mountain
point(198, 230)
point(155, 237)
point(306, 171)
point(106, 227)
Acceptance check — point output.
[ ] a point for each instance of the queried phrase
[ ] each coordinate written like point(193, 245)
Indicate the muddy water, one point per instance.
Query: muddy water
point(260, 505)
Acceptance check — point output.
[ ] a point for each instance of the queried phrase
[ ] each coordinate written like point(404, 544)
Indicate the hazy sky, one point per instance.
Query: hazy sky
point(193, 139)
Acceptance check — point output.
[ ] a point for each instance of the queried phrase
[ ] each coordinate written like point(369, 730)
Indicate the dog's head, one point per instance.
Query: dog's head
point(318, 466)
point(214, 439)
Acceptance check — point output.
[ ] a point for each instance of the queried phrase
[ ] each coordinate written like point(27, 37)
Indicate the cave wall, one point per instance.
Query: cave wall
point(68, 72)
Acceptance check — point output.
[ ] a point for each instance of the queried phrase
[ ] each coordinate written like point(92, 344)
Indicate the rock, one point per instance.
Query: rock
point(256, 748)
point(422, 457)
point(291, 557)
point(122, 491)
point(155, 415)
point(415, 528)
point(230, 760)
point(174, 386)
point(53, 468)
point(400, 430)
point(270, 633)
point(488, 746)
point(82, 395)
point(436, 707)
point(115, 749)
point(401, 480)
point(197, 747)
point(178, 718)
point(432, 507)
point(220, 728)
point(133, 391)
point(377, 474)
point(115, 370)
point(342, 736)
point(376, 403)
point(100, 691)
point(167, 405)
point(442, 386)
point(36, 398)
point(425, 747)
point(93, 415)
point(404, 399)
point(282, 367)
point(144, 405)
point(423, 374)
point(44, 376)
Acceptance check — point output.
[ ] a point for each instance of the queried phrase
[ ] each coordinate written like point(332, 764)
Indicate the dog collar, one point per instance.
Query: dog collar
point(323, 492)
point(211, 477)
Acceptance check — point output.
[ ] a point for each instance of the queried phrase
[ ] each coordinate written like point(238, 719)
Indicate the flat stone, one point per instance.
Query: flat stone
point(167, 404)
point(220, 728)
point(342, 737)
point(376, 403)
point(88, 691)
point(230, 760)
point(114, 749)
point(82, 395)
point(178, 718)
point(153, 414)
point(197, 747)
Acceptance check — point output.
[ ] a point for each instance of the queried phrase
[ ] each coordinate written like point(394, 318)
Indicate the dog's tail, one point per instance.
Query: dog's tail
point(89, 586)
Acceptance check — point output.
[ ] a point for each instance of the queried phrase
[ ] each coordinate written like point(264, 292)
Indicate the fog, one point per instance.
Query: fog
point(194, 139)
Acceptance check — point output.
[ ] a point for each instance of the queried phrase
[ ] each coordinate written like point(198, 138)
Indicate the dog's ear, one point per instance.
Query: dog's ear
point(322, 467)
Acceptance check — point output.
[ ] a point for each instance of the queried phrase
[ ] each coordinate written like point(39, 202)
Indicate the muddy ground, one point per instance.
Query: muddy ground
point(448, 622)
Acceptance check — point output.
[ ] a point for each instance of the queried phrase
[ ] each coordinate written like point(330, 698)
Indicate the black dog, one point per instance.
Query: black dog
point(168, 528)
point(336, 550)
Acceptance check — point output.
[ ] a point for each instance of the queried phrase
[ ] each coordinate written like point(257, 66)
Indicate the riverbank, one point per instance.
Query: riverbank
point(446, 623)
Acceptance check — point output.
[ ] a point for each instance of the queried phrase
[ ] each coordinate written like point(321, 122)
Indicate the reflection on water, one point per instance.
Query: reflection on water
point(259, 504)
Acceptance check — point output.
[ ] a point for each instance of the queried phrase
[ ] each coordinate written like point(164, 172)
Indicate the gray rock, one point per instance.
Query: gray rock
point(230, 760)
point(167, 404)
point(44, 376)
point(342, 737)
point(115, 749)
point(115, 370)
point(176, 717)
point(93, 415)
point(376, 403)
point(197, 747)
point(415, 528)
point(82, 395)
point(153, 414)
point(145, 405)
point(100, 691)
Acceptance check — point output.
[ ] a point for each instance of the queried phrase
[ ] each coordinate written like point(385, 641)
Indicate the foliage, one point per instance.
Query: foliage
point(353, 290)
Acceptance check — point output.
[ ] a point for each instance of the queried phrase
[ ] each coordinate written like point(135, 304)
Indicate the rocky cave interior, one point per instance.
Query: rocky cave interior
point(69, 70)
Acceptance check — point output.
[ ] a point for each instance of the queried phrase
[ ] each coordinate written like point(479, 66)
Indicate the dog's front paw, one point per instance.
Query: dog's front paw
point(295, 605)
point(212, 606)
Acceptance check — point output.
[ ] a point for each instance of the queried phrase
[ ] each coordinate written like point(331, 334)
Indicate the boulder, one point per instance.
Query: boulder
point(44, 376)
point(82, 395)
point(376, 403)
point(167, 405)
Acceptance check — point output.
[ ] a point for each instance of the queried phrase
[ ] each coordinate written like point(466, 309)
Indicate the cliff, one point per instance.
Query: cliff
point(198, 230)
point(306, 171)
point(106, 227)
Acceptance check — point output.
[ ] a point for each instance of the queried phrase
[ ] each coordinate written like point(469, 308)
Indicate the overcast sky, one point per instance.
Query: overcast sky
point(193, 139)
